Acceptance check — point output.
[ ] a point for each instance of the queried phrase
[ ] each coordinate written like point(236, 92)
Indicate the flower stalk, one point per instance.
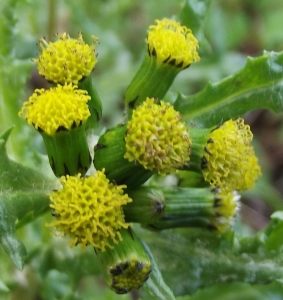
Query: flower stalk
point(153, 79)
point(171, 48)
point(94, 105)
point(75, 158)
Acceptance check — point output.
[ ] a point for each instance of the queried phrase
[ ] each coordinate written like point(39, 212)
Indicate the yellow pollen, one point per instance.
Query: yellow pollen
point(172, 43)
point(59, 107)
point(157, 138)
point(89, 210)
point(230, 161)
point(66, 60)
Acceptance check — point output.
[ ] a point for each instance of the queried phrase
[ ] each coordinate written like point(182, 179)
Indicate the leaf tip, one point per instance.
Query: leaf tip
point(5, 135)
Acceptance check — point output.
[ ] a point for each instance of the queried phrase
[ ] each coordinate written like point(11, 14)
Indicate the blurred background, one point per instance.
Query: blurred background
point(233, 29)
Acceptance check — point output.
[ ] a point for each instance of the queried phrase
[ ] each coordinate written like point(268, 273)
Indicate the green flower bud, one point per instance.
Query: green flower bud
point(127, 266)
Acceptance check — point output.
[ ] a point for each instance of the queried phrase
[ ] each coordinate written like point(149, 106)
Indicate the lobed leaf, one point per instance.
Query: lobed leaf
point(258, 85)
point(200, 259)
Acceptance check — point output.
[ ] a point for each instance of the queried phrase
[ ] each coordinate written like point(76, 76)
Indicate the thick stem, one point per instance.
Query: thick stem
point(68, 151)
point(153, 79)
point(95, 106)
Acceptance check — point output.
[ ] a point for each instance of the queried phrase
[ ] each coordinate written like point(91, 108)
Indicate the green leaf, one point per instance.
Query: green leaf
point(258, 85)
point(193, 16)
point(23, 197)
point(200, 259)
point(3, 287)
point(155, 286)
point(13, 77)
point(7, 24)
point(238, 290)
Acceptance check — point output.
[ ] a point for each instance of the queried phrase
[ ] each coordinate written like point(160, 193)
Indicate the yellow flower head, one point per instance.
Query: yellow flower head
point(172, 43)
point(59, 108)
point(89, 210)
point(226, 206)
point(229, 161)
point(129, 275)
point(157, 138)
point(66, 60)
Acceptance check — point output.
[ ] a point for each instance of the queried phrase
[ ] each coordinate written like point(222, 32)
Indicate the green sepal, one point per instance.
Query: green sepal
point(148, 205)
point(127, 266)
point(94, 105)
point(153, 79)
point(68, 151)
point(23, 198)
point(109, 155)
point(165, 208)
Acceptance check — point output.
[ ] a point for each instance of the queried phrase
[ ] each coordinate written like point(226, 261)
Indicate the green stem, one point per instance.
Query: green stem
point(68, 151)
point(94, 104)
point(153, 79)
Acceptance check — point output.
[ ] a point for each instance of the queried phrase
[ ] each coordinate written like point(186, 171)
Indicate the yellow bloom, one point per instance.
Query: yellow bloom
point(56, 109)
point(229, 161)
point(89, 210)
point(226, 206)
point(66, 60)
point(157, 138)
point(172, 43)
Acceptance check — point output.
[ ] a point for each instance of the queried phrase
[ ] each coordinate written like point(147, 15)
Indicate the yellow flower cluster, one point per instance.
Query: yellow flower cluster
point(89, 210)
point(67, 60)
point(229, 161)
point(157, 138)
point(59, 108)
point(172, 43)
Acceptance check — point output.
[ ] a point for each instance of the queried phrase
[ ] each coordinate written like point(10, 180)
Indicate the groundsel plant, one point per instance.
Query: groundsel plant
point(170, 174)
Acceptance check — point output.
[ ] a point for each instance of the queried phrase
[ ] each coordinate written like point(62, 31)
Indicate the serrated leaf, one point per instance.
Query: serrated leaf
point(199, 259)
point(23, 197)
point(258, 85)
